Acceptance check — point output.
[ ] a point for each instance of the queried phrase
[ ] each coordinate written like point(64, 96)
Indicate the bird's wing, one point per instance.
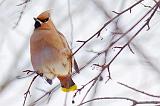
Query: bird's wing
point(68, 50)
point(74, 61)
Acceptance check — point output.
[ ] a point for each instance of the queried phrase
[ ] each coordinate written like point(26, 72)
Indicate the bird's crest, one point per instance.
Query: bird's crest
point(44, 15)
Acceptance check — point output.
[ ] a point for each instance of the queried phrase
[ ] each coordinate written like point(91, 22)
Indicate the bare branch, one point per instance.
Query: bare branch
point(134, 102)
point(99, 31)
point(25, 2)
point(130, 48)
point(28, 90)
point(21, 13)
point(145, 93)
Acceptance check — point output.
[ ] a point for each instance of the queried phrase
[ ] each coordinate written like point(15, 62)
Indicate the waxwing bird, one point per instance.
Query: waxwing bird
point(50, 53)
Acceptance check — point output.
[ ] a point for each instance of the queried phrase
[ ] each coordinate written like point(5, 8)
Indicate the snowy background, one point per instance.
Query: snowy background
point(82, 19)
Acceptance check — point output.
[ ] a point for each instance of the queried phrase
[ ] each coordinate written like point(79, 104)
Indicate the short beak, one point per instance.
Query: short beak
point(35, 19)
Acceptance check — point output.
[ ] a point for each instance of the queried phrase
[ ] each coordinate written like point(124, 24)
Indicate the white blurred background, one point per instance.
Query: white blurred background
point(80, 18)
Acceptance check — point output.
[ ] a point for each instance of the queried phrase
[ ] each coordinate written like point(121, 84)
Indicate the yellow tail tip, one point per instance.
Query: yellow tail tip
point(72, 88)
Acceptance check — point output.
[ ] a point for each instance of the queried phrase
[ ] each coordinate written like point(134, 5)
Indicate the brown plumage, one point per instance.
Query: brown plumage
point(50, 53)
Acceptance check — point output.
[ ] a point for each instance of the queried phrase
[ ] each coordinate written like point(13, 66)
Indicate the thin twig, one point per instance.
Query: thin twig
point(21, 13)
point(134, 102)
point(107, 66)
point(134, 89)
point(99, 31)
point(146, 24)
point(28, 90)
point(25, 2)
point(47, 93)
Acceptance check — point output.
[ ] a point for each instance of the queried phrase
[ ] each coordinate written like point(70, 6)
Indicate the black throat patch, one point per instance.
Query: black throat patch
point(37, 24)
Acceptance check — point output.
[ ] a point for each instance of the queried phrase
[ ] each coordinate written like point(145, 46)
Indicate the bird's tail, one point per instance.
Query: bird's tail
point(67, 83)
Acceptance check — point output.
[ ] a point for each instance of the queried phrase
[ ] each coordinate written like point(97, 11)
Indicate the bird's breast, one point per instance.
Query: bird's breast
point(51, 62)
point(49, 54)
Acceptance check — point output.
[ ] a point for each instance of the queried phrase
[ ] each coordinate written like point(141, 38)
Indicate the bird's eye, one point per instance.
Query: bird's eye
point(45, 20)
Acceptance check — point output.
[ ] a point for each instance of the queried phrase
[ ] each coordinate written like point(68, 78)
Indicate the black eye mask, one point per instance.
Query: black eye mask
point(44, 20)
